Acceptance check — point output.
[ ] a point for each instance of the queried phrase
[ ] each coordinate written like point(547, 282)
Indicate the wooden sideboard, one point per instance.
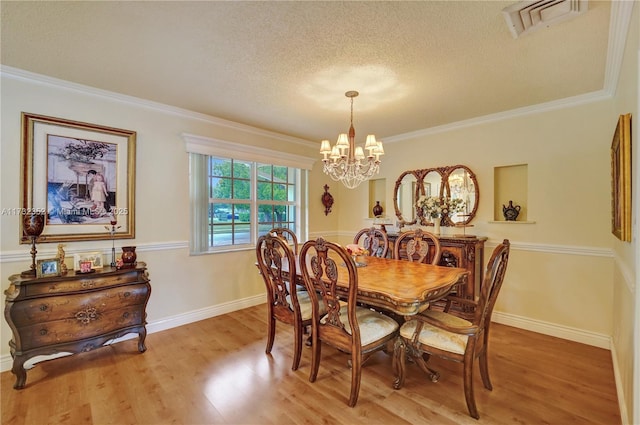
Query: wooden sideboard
point(74, 313)
point(466, 252)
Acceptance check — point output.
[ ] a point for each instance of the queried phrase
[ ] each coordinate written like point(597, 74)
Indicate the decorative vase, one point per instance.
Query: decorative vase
point(32, 227)
point(377, 209)
point(436, 226)
point(129, 256)
point(510, 212)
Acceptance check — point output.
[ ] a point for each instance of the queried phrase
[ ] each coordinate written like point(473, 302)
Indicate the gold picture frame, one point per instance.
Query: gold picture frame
point(82, 175)
point(48, 267)
point(621, 179)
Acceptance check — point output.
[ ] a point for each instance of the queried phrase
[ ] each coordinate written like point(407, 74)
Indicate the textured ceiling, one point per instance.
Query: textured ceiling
point(285, 66)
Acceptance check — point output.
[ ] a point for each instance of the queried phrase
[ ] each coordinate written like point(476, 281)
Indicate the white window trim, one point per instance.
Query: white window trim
point(219, 148)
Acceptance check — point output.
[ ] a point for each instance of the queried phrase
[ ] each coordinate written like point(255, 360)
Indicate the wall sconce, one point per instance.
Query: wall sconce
point(327, 200)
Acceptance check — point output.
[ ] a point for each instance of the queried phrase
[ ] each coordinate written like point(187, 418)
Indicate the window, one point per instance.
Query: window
point(234, 200)
point(237, 189)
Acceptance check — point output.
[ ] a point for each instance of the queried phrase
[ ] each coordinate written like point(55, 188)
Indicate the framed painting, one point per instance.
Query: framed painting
point(621, 179)
point(82, 175)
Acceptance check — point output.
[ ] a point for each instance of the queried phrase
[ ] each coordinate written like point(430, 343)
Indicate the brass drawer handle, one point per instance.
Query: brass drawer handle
point(87, 284)
point(127, 294)
point(43, 307)
point(43, 331)
point(125, 314)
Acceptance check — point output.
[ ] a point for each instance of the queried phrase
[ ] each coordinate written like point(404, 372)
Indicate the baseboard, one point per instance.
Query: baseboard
point(624, 414)
point(565, 332)
point(6, 362)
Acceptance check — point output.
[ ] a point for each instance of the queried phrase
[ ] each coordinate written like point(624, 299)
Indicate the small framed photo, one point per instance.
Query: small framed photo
point(48, 267)
point(81, 259)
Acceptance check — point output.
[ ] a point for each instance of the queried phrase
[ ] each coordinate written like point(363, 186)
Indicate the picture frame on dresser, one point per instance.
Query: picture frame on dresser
point(95, 258)
point(81, 174)
point(48, 267)
point(621, 179)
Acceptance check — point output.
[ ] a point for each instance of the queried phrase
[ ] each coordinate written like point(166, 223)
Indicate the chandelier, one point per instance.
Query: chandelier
point(347, 163)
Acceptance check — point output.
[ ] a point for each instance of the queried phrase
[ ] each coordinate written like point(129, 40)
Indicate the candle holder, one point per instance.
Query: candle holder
point(32, 227)
point(112, 232)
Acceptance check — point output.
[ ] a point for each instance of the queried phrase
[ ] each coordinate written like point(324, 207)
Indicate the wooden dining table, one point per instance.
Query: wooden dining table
point(402, 287)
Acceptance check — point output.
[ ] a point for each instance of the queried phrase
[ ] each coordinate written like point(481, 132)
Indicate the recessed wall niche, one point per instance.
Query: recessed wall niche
point(377, 192)
point(510, 184)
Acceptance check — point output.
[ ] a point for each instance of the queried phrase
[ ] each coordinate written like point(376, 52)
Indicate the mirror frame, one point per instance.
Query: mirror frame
point(401, 221)
point(445, 190)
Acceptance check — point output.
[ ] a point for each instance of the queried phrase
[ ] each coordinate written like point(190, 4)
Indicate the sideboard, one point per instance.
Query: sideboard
point(466, 252)
point(74, 313)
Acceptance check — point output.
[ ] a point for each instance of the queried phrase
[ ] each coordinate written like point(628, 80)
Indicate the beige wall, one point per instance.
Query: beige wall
point(561, 266)
point(184, 286)
point(626, 324)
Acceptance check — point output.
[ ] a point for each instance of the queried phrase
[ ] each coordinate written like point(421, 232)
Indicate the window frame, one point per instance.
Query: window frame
point(200, 149)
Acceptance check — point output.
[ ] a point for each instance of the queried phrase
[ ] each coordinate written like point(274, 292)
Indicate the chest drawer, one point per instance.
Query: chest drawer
point(86, 282)
point(40, 310)
point(89, 322)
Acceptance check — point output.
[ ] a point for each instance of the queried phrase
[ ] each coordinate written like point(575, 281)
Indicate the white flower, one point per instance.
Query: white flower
point(434, 206)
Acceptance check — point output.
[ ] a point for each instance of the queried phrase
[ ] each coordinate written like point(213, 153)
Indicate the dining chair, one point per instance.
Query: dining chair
point(414, 245)
point(347, 327)
point(289, 235)
point(284, 302)
point(374, 240)
point(453, 338)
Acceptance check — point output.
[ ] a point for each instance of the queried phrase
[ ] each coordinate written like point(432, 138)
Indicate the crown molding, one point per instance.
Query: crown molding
point(20, 74)
point(527, 110)
point(619, 23)
point(620, 19)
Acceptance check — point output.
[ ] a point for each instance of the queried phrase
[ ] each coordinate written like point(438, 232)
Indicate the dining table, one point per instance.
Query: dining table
point(403, 287)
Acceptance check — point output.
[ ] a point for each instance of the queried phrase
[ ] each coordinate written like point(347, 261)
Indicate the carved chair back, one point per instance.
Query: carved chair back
point(374, 240)
point(418, 245)
point(289, 235)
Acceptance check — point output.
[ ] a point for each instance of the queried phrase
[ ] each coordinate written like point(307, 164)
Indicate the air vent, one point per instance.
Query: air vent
point(528, 16)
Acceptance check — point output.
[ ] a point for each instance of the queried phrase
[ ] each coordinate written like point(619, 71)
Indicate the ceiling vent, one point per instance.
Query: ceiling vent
point(528, 16)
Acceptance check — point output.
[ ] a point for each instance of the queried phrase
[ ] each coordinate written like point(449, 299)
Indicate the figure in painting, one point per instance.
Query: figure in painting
point(99, 193)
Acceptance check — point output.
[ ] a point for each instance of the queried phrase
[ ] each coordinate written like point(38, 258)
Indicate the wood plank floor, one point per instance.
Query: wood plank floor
point(216, 372)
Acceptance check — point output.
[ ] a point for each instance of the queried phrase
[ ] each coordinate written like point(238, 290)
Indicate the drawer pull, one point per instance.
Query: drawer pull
point(125, 314)
point(127, 294)
point(87, 284)
point(43, 307)
point(43, 331)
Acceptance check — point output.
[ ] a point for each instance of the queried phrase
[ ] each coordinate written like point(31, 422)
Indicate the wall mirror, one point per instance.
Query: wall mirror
point(404, 194)
point(457, 182)
point(461, 184)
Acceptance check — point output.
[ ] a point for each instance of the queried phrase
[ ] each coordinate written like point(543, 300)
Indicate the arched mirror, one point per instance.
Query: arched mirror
point(431, 186)
point(456, 182)
point(404, 196)
point(462, 184)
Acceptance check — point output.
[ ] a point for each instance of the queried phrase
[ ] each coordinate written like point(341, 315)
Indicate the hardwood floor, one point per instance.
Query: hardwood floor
point(216, 371)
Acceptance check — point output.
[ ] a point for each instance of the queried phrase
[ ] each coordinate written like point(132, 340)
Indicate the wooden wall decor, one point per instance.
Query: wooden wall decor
point(327, 200)
point(621, 179)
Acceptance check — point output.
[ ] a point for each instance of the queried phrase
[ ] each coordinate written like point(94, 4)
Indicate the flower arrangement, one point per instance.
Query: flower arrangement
point(434, 206)
point(354, 249)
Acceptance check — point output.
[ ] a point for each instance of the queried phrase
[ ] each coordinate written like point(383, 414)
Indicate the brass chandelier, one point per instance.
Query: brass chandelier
point(347, 163)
